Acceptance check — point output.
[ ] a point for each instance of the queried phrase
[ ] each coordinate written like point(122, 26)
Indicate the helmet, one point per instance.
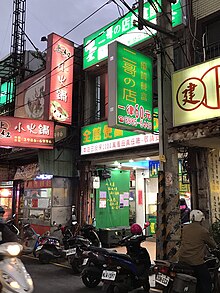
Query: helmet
point(136, 229)
point(196, 216)
point(2, 211)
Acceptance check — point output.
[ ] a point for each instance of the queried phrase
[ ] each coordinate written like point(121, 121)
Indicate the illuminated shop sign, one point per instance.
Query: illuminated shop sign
point(26, 133)
point(196, 93)
point(123, 30)
point(130, 90)
point(6, 92)
point(60, 56)
point(100, 137)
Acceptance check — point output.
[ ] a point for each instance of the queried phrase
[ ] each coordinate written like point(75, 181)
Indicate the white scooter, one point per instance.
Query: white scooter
point(13, 275)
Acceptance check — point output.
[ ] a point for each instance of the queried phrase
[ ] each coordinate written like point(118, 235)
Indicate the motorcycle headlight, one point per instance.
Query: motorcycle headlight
point(10, 281)
point(13, 249)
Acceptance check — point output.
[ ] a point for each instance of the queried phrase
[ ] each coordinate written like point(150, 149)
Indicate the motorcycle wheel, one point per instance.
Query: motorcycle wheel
point(44, 259)
point(77, 266)
point(90, 280)
point(116, 289)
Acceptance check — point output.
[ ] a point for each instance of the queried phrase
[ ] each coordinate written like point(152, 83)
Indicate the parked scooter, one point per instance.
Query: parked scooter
point(13, 275)
point(49, 248)
point(119, 272)
point(79, 244)
point(69, 247)
point(173, 277)
point(30, 239)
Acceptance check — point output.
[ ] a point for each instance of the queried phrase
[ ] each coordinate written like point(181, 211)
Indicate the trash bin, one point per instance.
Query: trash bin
point(110, 237)
point(184, 283)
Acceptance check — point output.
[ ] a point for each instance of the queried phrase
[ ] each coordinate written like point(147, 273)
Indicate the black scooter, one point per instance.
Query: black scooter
point(70, 247)
point(81, 243)
point(118, 272)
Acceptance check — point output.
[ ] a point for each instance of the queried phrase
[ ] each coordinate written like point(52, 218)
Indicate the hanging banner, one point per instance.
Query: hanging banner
point(59, 81)
point(26, 133)
point(130, 76)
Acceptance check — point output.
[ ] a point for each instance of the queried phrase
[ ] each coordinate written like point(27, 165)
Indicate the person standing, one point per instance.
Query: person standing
point(184, 211)
point(195, 237)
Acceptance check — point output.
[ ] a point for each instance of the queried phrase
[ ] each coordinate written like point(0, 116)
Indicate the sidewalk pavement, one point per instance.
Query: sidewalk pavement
point(149, 244)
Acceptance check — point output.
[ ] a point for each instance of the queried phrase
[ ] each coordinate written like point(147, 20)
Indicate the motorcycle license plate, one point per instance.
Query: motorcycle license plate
point(108, 275)
point(70, 251)
point(85, 261)
point(162, 279)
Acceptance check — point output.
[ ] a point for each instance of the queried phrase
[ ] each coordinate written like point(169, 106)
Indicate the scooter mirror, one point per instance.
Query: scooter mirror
point(146, 225)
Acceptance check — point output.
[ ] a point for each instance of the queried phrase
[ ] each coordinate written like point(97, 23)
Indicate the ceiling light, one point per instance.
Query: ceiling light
point(147, 159)
point(116, 163)
point(131, 161)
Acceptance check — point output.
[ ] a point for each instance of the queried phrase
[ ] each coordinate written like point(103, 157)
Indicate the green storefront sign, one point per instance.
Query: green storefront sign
point(123, 30)
point(131, 91)
point(100, 132)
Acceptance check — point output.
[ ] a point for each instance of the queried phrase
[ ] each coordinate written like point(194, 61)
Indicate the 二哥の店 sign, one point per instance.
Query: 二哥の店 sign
point(26, 133)
point(130, 76)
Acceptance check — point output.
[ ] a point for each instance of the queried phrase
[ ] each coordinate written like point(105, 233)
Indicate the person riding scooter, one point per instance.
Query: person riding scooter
point(6, 235)
point(195, 237)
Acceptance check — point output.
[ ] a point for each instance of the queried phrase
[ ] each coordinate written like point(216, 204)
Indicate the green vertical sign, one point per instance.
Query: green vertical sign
point(130, 89)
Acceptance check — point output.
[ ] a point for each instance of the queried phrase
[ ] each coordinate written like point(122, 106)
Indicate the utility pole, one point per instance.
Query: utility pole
point(168, 213)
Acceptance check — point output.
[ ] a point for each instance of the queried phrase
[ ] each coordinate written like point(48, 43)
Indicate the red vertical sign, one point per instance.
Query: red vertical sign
point(60, 57)
point(140, 197)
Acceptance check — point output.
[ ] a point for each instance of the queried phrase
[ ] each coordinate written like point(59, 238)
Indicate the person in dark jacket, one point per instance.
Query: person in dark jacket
point(6, 235)
point(195, 237)
point(184, 211)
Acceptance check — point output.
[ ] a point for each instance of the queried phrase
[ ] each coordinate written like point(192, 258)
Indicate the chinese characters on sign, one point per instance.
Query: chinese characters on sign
point(61, 79)
point(21, 132)
point(124, 31)
point(196, 98)
point(130, 93)
point(214, 179)
point(99, 137)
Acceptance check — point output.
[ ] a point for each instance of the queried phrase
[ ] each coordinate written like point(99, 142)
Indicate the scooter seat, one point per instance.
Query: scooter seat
point(109, 252)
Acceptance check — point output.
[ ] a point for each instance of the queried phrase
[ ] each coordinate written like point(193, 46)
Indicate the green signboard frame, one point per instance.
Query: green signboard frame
point(131, 89)
point(96, 45)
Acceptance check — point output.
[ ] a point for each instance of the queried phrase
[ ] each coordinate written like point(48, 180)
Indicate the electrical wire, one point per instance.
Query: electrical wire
point(76, 26)
point(67, 59)
point(115, 22)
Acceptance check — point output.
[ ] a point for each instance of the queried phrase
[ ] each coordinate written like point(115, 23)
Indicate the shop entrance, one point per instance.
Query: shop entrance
point(141, 193)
